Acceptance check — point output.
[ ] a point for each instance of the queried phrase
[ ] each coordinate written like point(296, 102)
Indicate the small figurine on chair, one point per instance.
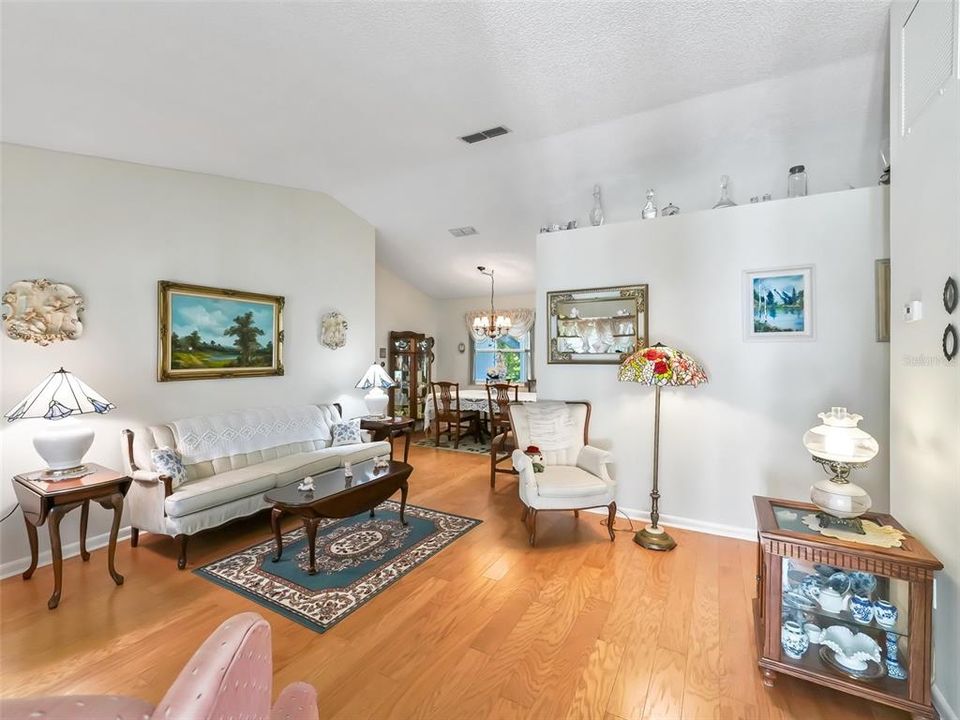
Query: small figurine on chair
point(533, 452)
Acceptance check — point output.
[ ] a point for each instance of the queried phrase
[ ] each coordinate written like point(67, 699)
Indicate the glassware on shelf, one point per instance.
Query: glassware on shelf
point(755, 199)
point(797, 182)
point(724, 200)
point(596, 215)
point(650, 209)
point(766, 197)
point(669, 210)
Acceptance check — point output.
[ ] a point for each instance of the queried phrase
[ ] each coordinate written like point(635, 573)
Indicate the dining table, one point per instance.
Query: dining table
point(470, 399)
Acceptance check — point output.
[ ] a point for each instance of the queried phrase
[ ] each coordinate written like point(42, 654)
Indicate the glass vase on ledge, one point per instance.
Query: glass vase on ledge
point(596, 215)
point(724, 200)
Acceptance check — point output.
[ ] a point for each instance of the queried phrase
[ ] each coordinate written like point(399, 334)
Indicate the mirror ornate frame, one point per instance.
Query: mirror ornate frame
point(596, 326)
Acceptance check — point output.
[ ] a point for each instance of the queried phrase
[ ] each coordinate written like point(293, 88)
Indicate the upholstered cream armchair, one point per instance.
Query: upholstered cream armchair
point(574, 475)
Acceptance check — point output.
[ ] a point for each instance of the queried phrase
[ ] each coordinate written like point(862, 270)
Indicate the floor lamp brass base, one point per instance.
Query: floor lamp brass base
point(654, 539)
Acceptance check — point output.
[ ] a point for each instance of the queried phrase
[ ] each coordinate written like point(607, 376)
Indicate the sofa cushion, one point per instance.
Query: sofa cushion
point(166, 461)
point(346, 432)
point(218, 489)
point(566, 481)
point(294, 468)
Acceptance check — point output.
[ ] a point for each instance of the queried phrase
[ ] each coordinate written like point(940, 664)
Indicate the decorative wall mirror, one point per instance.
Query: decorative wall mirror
point(597, 325)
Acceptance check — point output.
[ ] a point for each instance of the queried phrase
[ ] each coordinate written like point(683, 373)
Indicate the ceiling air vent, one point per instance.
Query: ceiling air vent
point(485, 134)
point(463, 231)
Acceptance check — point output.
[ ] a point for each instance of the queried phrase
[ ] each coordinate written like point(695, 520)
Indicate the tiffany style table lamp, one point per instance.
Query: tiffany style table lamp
point(658, 366)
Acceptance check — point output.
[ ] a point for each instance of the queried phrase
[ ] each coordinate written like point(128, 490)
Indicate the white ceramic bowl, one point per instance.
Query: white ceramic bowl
point(852, 650)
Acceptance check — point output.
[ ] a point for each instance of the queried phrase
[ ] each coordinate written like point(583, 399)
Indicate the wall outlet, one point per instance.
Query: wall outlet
point(913, 311)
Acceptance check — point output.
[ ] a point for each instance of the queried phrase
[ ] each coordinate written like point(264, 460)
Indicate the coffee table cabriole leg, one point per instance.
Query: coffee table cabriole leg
point(310, 525)
point(275, 516)
point(403, 501)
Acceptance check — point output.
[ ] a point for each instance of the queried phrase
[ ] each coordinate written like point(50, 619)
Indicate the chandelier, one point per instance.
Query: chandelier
point(493, 326)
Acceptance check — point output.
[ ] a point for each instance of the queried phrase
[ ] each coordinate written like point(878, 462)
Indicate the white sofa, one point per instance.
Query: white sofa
point(231, 460)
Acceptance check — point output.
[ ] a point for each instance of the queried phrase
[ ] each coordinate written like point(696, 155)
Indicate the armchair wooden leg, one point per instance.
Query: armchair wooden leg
point(437, 425)
point(493, 467)
point(182, 556)
point(532, 524)
point(576, 513)
point(134, 536)
point(611, 518)
point(456, 436)
point(523, 515)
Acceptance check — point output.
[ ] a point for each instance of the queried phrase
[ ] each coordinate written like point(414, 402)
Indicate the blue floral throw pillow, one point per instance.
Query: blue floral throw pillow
point(346, 433)
point(166, 461)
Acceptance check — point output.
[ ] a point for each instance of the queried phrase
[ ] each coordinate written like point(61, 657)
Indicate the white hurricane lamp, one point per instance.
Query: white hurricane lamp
point(840, 446)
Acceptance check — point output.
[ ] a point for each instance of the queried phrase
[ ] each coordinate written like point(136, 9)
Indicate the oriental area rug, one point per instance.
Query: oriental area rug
point(357, 558)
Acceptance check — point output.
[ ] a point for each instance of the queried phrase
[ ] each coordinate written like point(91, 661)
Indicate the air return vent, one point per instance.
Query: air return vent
point(485, 134)
point(928, 50)
point(463, 231)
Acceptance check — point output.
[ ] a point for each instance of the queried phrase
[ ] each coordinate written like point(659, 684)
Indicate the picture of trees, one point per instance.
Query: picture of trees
point(779, 303)
point(216, 335)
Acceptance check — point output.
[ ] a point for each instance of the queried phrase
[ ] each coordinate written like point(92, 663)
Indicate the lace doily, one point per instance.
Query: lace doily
point(885, 536)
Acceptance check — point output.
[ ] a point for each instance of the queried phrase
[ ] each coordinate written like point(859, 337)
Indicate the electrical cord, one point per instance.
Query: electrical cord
point(12, 511)
point(616, 529)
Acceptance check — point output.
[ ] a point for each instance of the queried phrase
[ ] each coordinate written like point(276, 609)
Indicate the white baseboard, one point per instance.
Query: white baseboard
point(15, 567)
point(942, 706)
point(711, 528)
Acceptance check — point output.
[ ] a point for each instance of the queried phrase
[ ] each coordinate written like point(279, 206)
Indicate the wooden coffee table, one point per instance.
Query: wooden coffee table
point(387, 428)
point(336, 496)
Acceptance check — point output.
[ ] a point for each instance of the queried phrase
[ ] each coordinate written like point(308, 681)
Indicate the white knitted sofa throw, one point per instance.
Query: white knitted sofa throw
point(551, 425)
point(209, 437)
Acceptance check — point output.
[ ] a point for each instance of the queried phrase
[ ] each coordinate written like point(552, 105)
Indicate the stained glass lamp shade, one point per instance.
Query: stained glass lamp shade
point(659, 366)
point(60, 397)
point(376, 380)
point(839, 446)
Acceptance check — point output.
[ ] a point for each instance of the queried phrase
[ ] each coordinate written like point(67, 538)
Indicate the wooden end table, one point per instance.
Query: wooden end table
point(790, 553)
point(42, 497)
point(336, 496)
point(387, 428)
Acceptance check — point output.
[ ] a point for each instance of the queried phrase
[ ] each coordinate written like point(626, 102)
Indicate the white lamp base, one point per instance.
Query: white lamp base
point(63, 444)
point(376, 401)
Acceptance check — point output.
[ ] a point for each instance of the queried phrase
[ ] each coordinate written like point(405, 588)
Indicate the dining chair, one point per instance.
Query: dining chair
point(501, 436)
point(447, 410)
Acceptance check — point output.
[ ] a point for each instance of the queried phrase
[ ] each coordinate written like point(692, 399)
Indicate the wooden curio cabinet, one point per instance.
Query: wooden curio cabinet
point(823, 583)
point(410, 359)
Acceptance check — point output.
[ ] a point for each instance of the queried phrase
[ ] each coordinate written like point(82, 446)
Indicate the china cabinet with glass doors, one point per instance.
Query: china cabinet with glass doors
point(410, 359)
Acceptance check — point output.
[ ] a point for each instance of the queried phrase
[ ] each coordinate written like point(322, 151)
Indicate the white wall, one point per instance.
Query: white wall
point(401, 306)
point(832, 118)
point(453, 365)
point(924, 387)
point(740, 434)
point(112, 230)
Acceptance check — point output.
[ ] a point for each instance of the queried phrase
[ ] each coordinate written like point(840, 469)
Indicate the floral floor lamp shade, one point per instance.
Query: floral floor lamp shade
point(658, 366)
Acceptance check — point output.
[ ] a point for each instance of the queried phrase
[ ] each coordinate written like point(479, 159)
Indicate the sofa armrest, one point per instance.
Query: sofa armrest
point(145, 500)
point(149, 476)
point(594, 461)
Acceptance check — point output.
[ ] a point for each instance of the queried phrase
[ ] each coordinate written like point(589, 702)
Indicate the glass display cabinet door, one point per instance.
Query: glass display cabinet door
point(846, 622)
point(402, 376)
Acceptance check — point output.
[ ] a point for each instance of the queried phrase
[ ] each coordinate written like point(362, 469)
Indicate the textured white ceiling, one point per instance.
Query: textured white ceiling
point(344, 97)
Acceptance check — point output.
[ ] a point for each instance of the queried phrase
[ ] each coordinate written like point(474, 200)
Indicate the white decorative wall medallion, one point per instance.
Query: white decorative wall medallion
point(42, 312)
point(333, 330)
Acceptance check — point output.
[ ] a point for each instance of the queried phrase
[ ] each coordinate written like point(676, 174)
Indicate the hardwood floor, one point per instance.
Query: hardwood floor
point(578, 627)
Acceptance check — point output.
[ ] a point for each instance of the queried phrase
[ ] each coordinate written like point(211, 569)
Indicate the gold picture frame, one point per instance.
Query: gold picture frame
point(596, 326)
point(206, 333)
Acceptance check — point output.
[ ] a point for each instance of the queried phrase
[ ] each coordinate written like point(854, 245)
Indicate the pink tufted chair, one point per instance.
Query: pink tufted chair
point(230, 676)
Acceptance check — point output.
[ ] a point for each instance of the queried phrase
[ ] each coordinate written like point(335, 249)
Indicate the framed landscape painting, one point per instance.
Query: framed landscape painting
point(215, 333)
point(778, 304)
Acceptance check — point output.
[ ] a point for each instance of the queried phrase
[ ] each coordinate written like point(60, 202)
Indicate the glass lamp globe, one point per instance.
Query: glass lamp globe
point(839, 446)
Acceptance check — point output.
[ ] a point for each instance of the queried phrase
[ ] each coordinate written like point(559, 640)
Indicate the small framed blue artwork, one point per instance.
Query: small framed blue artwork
point(217, 333)
point(778, 303)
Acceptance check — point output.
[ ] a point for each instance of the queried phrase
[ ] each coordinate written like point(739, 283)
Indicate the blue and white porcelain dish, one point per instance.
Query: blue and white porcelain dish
point(862, 583)
point(796, 599)
point(839, 581)
point(811, 586)
point(825, 570)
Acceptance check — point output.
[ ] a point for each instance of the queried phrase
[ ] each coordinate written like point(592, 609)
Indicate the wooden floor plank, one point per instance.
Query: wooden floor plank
point(576, 627)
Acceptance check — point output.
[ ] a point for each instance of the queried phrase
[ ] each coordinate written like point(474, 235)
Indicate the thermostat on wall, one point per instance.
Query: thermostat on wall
point(913, 311)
